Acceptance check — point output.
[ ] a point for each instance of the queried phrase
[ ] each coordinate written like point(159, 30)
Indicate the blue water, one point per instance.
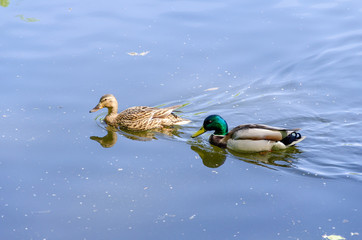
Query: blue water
point(282, 63)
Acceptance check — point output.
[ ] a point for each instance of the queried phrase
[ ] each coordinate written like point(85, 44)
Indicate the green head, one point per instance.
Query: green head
point(213, 123)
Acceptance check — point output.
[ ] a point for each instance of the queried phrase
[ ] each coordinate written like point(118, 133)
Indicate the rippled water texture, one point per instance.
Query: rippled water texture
point(66, 175)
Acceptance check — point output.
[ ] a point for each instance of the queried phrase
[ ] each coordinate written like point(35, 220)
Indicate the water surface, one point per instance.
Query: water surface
point(282, 63)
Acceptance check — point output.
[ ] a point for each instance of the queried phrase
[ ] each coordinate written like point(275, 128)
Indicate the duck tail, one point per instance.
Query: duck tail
point(182, 122)
point(176, 120)
point(292, 139)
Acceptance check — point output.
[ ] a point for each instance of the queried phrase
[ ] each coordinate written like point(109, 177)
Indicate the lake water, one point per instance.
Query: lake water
point(283, 63)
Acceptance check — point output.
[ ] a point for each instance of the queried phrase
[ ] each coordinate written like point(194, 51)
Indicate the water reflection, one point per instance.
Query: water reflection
point(110, 139)
point(281, 158)
point(211, 156)
point(214, 157)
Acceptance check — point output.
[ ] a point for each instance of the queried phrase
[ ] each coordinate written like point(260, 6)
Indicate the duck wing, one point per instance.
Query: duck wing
point(135, 113)
point(163, 112)
point(259, 132)
point(143, 112)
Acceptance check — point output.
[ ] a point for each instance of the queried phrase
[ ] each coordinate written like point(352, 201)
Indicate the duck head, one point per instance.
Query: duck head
point(106, 101)
point(213, 123)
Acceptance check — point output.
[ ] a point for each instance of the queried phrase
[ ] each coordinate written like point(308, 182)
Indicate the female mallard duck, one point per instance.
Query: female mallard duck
point(138, 118)
point(249, 137)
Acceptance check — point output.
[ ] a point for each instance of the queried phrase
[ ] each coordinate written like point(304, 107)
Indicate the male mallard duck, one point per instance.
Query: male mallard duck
point(138, 118)
point(248, 137)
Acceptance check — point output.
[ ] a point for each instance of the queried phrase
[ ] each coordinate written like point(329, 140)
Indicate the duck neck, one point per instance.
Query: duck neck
point(221, 129)
point(221, 132)
point(112, 114)
point(217, 140)
point(114, 108)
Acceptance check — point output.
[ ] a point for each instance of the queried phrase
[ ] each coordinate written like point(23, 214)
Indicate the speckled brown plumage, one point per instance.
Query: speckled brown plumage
point(140, 117)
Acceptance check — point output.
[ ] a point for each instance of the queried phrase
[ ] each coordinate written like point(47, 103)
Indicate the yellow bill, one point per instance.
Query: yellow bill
point(198, 133)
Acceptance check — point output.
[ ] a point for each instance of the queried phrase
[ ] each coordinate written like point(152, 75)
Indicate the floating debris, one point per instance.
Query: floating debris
point(192, 217)
point(198, 113)
point(138, 54)
point(237, 94)
point(184, 105)
point(211, 89)
point(333, 237)
point(27, 19)
point(4, 3)
point(144, 53)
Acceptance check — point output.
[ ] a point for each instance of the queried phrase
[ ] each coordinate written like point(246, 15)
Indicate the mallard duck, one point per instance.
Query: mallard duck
point(138, 118)
point(248, 137)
